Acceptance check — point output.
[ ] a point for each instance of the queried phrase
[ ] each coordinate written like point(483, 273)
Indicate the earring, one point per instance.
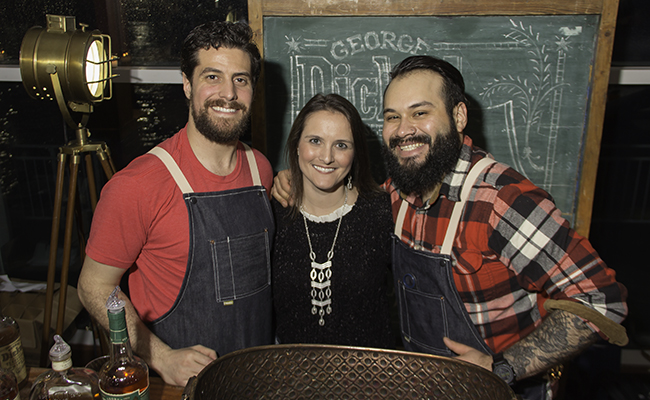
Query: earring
point(349, 182)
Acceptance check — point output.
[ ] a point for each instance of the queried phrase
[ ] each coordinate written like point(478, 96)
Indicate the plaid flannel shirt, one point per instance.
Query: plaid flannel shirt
point(512, 251)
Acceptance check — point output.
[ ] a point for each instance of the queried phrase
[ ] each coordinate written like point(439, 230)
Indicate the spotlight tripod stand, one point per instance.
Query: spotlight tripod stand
point(73, 66)
point(74, 151)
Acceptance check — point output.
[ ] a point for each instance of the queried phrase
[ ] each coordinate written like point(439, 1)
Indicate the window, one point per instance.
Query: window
point(148, 105)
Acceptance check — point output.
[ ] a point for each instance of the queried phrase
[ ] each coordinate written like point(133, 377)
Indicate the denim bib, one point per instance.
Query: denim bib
point(225, 299)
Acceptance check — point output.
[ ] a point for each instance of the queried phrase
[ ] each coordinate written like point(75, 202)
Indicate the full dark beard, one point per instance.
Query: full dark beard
point(224, 131)
point(411, 177)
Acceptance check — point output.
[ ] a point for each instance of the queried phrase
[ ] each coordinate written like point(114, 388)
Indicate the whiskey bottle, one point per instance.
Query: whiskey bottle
point(8, 385)
point(12, 357)
point(62, 381)
point(123, 377)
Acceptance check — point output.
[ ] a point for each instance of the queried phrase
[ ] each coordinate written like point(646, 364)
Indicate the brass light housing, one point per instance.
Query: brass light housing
point(61, 58)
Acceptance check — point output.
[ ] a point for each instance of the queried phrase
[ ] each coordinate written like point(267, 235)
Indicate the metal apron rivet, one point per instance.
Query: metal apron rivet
point(409, 281)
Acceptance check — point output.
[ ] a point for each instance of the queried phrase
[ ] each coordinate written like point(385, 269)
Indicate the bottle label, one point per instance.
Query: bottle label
point(13, 359)
point(62, 365)
point(136, 395)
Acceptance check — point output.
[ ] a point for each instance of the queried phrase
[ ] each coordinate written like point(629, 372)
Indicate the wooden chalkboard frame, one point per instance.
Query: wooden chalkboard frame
point(606, 9)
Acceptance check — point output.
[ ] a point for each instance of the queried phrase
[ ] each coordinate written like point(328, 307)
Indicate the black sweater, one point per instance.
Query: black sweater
point(360, 269)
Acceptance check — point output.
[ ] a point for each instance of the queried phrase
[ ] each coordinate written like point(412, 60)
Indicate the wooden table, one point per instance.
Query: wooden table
point(158, 390)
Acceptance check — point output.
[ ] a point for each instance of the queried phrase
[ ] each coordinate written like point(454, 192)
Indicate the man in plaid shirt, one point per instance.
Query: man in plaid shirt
point(507, 284)
point(529, 289)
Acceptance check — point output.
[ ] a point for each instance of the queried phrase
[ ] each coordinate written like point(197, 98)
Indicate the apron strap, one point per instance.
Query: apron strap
point(399, 221)
point(182, 182)
point(473, 174)
point(173, 168)
point(252, 164)
point(450, 235)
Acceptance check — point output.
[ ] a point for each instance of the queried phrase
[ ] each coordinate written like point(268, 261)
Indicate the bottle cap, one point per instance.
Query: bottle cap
point(114, 304)
point(60, 351)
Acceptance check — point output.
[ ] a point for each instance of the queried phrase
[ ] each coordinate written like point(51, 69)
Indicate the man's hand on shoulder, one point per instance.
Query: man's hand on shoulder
point(176, 367)
point(281, 189)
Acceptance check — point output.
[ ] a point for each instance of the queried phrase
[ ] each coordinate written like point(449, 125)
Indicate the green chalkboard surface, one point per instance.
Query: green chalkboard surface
point(527, 78)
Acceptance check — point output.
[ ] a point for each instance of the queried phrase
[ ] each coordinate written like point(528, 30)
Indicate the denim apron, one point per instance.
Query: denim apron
point(225, 299)
point(429, 304)
point(430, 307)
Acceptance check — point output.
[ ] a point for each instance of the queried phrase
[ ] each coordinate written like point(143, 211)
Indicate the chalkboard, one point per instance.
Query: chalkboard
point(536, 73)
point(527, 78)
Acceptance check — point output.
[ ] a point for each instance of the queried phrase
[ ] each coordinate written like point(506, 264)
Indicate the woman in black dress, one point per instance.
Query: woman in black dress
point(331, 255)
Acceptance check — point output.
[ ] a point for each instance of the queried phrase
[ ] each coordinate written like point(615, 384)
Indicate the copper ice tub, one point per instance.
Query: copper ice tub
point(342, 372)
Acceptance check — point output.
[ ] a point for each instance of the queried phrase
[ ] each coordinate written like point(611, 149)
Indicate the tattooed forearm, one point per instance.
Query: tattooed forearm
point(560, 337)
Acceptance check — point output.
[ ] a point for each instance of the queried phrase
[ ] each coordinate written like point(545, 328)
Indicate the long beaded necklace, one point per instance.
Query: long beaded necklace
point(321, 274)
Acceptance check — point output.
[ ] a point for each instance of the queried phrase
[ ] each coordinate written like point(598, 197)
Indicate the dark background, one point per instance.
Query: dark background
point(149, 33)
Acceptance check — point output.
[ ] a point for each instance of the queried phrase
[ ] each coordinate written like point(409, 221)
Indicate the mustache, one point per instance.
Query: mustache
point(226, 104)
point(394, 141)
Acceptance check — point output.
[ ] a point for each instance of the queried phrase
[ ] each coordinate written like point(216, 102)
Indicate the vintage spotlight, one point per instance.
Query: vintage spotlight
point(67, 64)
point(73, 67)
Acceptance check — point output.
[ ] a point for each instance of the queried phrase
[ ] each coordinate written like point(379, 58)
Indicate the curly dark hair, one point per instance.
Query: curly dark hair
point(216, 34)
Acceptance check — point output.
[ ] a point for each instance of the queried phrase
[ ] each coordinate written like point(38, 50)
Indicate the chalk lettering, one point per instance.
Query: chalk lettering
point(355, 44)
point(375, 39)
point(364, 96)
point(421, 45)
point(339, 54)
point(402, 45)
point(387, 39)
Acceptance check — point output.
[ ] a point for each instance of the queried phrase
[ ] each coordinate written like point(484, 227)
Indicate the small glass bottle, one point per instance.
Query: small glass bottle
point(123, 377)
point(8, 385)
point(63, 381)
point(12, 357)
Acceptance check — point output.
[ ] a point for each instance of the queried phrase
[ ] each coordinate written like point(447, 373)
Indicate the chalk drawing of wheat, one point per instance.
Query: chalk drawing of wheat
point(531, 104)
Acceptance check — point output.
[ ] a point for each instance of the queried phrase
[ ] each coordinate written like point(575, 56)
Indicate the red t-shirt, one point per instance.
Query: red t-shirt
point(141, 220)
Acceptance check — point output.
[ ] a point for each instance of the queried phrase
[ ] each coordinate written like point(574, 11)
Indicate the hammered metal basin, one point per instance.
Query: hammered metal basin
point(342, 372)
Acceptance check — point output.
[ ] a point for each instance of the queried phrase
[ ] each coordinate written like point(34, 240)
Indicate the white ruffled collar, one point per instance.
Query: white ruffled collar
point(331, 217)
